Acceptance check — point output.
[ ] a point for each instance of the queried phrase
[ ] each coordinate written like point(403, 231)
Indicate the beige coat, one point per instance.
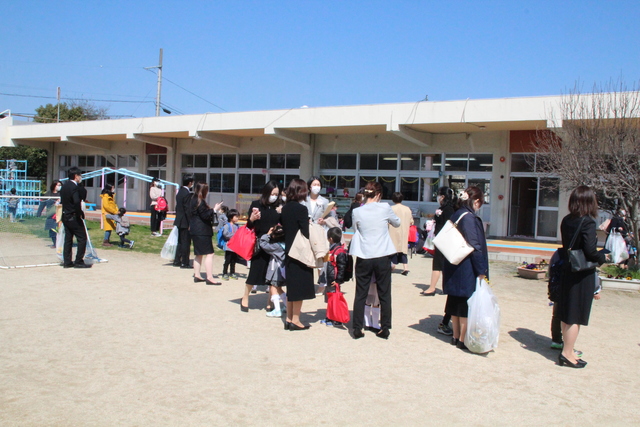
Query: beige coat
point(400, 235)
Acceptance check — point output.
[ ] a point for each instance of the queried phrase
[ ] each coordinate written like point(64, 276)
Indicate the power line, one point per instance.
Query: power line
point(73, 99)
point(188, 91)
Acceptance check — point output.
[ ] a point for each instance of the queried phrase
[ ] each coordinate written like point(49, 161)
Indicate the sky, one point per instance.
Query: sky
point(227, 56)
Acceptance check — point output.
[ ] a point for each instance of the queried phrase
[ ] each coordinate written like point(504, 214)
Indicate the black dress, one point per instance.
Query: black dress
point(574, 305)
point(201, 227)
point(441, 220)
point(269, 217)
point(299, 277)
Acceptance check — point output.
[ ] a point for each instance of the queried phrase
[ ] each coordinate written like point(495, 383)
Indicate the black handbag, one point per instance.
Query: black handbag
point(577, 260)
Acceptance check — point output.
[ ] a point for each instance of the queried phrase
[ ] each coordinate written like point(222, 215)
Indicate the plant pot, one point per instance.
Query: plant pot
point(620, 284)
point(526, 273)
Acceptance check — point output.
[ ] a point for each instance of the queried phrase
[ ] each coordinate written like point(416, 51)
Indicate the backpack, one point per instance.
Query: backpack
point(348, 271)
point(220, 238)
point(556, 274)
point(161, 204)
point(347, 220)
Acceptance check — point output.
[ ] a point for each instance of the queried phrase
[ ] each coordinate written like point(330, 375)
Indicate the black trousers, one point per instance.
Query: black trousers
point(230, 259)
point(184, 247)
point(556, 327)
point(365, 269)
point(73, 226)
point(155, 224)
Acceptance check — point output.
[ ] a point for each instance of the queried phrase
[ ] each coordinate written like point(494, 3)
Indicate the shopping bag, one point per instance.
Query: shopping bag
point(413, 234)
point(428, 242)
point(618, 247)
point(170, 246)
point(337, 307)
point(483, 321)
point(60, 242)
point(243, 242)
point(452, 243)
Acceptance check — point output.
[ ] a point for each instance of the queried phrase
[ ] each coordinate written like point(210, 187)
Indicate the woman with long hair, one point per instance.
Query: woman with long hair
point(577, 289)
point(109, 207)
point(154, 192)
point(447, 199)
point(373, 248)
point(459, 281)
point(298, 277)
point(201, 232)
point(264, 213)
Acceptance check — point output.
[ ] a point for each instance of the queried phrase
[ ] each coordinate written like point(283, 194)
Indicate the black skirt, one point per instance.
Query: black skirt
point(202, 245)
point(576, 297)
point(438, 261)
point(457, 306)
point(258, 270)
point(299, 279)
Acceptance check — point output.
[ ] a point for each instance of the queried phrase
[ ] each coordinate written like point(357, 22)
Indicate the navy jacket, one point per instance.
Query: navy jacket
point(183, 201)
point(460, 280)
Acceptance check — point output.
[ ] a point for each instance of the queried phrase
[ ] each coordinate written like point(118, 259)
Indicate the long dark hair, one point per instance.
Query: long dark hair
point(108, 189)
point(474, 194)
point(266, 192)
point(201, 192)
point(53, 185)
point(582, 201)
point(449, 195)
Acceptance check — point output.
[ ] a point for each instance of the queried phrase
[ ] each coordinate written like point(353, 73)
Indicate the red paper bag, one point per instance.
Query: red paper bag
point(413, 234)
point(242, 242)
point(337, 308)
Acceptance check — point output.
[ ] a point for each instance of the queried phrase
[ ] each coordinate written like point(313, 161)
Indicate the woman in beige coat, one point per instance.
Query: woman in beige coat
point(400, 235)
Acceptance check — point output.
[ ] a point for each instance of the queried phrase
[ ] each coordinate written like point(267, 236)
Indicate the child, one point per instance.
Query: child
point(372, 308)
point(12, 205)
point(273, 244)
point(223, 219)
point(228, 230)
point(122, 227)
point(335, 267)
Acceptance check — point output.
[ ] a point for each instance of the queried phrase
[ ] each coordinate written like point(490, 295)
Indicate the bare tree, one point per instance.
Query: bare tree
point(595, 141)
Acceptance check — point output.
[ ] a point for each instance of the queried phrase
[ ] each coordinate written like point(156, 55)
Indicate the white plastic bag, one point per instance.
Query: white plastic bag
point(60, 242)
point(170, 246)
point(483, 322)
point(428, 242)
point(618, 247)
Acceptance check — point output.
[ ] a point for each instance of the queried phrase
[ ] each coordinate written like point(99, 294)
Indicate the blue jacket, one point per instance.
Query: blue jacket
point(460, 280)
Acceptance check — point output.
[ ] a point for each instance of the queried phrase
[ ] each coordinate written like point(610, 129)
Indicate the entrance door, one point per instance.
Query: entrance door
point(534, 208)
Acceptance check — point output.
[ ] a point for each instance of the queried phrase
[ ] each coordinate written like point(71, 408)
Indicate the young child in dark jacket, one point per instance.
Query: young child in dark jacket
point(335, 267)
point(122, 227)
point(230, 257)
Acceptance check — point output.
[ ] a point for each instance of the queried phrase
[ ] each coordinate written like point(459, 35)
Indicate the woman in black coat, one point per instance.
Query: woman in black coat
point(201, 232)
point(577, 291)
point(447, 199)
point(264, 213)
point(460, 280)
point(299, 277)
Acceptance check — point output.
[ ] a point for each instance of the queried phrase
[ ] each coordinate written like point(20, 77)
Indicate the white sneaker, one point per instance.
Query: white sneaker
point(274, 313)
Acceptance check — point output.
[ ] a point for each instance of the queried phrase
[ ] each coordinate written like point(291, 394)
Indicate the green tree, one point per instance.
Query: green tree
point(76, 111)
point(36, 159)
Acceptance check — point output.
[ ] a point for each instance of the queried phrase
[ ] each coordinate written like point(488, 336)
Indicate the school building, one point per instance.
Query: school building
point(413, 148)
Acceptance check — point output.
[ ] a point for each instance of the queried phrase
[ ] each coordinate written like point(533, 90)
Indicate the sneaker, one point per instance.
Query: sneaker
point(326, 322)
point(233, 276)
point(444, 329)
point(131, 244)
point(225, 277)
point(274, 313)
point(556, 345)
point(254, 289)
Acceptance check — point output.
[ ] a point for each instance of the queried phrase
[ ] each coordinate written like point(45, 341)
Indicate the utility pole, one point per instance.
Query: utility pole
point(58, 96)
point(159, 67)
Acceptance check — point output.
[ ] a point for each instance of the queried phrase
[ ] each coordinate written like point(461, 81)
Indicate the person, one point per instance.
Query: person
point(230, 257)
point(619, 225)
point(400, 235)
point(372, 247)
point(49, 207)
point(201, 232)
point(298, 277)
point(109, 207)
point(12, 205)
point(73, 220)
point(335, 267)
point(123, 227)
point(183, 202)
point(347, 221)
point(154, 192)
point(345, 192)
point(264, 213)
point(459, 281)
point(315, 203)
point(222, 216)
point(578, 288)
point(273, 244)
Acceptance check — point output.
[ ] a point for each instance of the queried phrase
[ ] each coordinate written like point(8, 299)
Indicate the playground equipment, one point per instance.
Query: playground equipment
point(13, 174)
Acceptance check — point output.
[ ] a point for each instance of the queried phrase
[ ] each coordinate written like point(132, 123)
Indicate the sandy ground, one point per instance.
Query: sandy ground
point(136, 342)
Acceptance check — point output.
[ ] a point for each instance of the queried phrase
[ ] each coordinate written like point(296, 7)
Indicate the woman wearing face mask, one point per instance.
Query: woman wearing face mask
point(315, 203)
point(459, 281)
point(109, 207)
point(264, 213)
point(154, 192)
point(48, 206)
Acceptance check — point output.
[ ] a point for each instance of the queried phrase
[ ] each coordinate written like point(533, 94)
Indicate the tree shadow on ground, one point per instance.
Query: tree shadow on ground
point(532, 341)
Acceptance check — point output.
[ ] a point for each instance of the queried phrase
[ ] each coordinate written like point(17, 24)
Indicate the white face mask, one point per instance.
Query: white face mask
point(157, 184)
point(315, 189)
point(58, 187)
point(272, 198)
point(284, 198)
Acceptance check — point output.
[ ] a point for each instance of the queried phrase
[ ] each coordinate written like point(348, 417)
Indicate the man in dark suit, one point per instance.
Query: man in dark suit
point(183, 199)
point(72, 219)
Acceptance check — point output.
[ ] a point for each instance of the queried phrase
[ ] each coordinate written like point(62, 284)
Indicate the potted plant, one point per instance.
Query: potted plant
point(533, 271)
point(614, 277)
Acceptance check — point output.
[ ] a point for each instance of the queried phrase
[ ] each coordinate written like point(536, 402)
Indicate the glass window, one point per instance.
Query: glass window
point(215, 161)
point(328, 161)
point(162, 160)
point(410, 162)
point(410, 188)
point(288, 178)
point(458, 183)
point(199, 177)
point(293, 161)
point(229, 182)
point(257, 182)
point(215, 181)
point(245, 161)
point(244, 183)
point(549, 193)
point(347, 161)
point(388, 186)
point(430, 188)
point(229, 161)
point(365, 179)
point(279, 178)
point(388, 162)
point(123, 161)
point(548, 223)
point(432, 162)
point(368, 161)
point(107, 161)
point(187, 160)
point(522, 162)
point(348, 181)
point(260, 161)
point(327, 181)
point(82, 161)
point(200, 161)
point(277, 161)
point(481, 162)
point(152, 160)
point(485, 186)
point(457, 162)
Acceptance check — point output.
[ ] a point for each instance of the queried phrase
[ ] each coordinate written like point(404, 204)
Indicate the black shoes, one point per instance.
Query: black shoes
point(357, 334)
point(184, 266)
point(461, 346)
point(384, 334)
point(244, 309)
point(454, 341)
point(294, 327)
point(81, 265)
point(197, 279)
point(562, 361)
point(213, 283)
